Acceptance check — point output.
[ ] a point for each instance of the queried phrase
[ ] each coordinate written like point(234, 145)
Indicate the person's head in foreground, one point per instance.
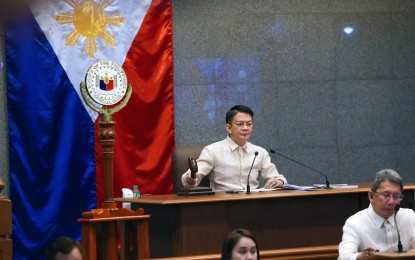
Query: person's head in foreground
point(64, 248)
point(240, 244)
point(386, 192)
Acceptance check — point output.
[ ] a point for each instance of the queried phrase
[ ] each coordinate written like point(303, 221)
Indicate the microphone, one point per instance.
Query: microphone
point(248, 187)
point(400, 248)
point(327, 180)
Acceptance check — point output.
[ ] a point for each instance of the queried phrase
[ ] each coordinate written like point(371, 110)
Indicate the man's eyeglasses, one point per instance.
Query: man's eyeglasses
point(241, 124)
point(385, 196)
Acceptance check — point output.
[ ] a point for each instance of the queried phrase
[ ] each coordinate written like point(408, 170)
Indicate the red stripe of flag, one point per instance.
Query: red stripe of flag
point(145, 127)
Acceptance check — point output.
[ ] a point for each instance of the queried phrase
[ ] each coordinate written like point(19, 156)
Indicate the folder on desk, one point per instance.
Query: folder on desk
point(338, 186)
point(196, 191)
point(298, 187)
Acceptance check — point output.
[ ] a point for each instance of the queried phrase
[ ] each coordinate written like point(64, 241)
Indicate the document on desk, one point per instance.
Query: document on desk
point(253, 190)
point(298, 187)
point(264, 190)
point(338, 186)
point(390, 249)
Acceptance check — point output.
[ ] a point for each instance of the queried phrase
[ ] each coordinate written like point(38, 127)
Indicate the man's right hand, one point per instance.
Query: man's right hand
point(366, 253)
point(190, 181)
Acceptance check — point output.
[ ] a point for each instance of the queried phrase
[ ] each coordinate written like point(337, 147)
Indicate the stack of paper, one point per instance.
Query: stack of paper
point(338, 186)
point(297, 187)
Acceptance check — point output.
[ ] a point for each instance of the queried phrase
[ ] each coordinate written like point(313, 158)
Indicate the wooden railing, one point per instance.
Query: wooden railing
point(6, 245)
point(100, 239)
point(298, 253)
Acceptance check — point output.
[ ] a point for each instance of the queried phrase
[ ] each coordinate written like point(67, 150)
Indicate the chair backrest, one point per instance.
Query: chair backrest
point(180, 164)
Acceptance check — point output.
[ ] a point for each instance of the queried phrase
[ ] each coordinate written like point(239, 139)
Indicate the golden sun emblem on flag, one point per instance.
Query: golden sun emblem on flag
point(90, 21)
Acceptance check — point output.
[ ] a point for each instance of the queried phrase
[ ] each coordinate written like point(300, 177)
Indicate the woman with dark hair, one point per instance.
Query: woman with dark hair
point(240, 244)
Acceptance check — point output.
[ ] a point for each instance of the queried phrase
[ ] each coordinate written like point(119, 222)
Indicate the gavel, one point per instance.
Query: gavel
point(193, 167)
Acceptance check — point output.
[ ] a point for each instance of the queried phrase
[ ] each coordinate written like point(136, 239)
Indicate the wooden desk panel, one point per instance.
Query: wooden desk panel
point(279, 219)
point(329, 252)
point(296, 221)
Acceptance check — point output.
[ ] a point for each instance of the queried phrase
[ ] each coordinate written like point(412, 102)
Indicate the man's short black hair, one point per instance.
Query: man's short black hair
point(64, 245)
point(235, 109)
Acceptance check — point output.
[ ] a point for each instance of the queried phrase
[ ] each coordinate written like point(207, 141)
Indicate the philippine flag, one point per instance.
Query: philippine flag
point(55, 154)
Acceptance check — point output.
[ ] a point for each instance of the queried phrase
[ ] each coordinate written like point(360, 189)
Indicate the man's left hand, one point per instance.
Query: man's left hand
point(274, 183)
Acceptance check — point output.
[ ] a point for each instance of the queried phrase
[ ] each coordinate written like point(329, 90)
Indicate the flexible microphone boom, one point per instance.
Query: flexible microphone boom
point(248, 187)
point(400, 248)
point(327, 180)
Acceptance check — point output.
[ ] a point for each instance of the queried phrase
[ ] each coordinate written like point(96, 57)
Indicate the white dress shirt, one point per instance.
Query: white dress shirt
point(227, 166)
point(366, 228)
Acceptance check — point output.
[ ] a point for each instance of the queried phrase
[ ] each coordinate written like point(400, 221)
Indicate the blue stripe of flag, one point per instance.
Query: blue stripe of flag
point(52, 156)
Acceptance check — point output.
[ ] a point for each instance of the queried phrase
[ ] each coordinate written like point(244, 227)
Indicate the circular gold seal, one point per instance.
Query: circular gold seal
point(106, 82)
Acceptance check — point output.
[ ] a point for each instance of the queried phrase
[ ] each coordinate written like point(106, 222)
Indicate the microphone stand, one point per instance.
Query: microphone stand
point(327, 180)
point(248, 187)
point(400, 247)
